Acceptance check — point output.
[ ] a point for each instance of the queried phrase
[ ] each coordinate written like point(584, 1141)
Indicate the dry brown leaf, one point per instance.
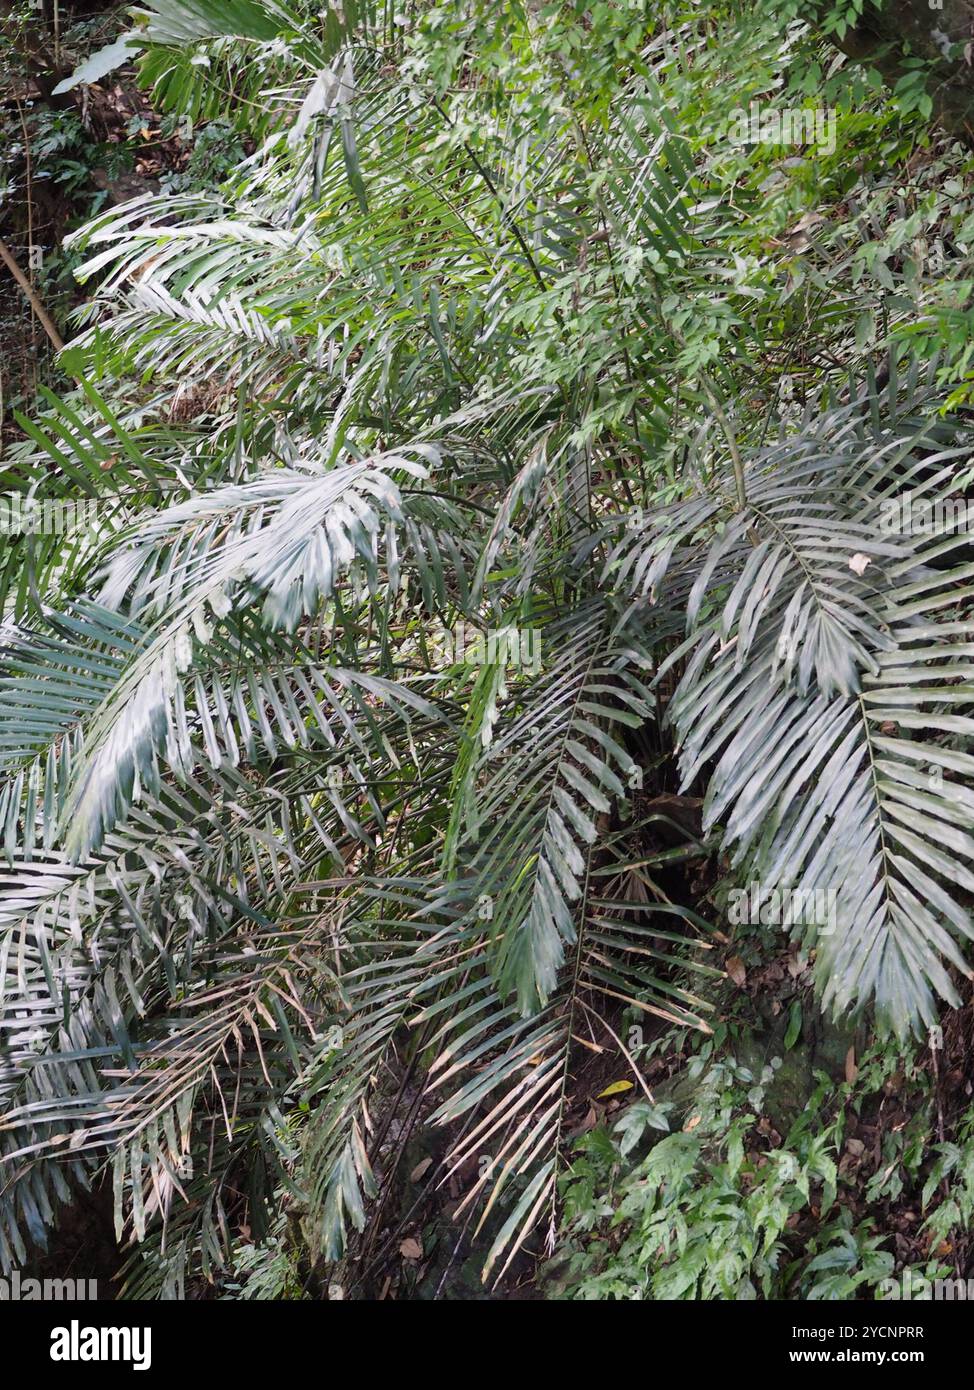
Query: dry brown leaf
point(735, 969)
point(410, 1249)
point(422, 1167)
point(805, 223)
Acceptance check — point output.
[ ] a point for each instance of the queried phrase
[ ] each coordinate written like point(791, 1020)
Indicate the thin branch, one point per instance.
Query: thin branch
point(47, 323)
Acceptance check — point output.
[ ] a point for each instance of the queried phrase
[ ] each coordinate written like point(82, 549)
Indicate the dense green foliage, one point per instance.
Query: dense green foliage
point(714, 1210)
point(498, 326)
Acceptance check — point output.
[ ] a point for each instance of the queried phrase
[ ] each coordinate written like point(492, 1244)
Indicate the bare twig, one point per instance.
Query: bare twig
point(43, 316)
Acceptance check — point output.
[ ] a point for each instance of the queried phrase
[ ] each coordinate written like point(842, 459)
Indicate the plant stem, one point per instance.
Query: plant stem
point(46, 322)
